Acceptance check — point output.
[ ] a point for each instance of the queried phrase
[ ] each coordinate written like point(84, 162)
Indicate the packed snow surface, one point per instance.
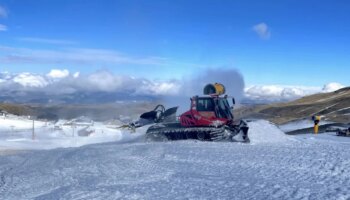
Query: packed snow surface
point(16, 133)
point(273, 166)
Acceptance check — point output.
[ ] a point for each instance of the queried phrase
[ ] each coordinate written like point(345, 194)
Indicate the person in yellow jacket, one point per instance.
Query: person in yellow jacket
point(316, 120)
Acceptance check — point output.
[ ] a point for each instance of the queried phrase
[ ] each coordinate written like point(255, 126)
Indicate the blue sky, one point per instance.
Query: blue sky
point(290, 42)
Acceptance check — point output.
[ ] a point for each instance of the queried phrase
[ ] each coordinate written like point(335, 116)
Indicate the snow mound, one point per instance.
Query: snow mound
point(262, 131)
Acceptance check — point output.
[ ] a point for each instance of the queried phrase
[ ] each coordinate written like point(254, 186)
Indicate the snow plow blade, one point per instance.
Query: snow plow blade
point(157, 115)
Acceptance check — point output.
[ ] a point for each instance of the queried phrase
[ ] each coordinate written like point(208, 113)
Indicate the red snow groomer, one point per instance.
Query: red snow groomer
point(210, 118)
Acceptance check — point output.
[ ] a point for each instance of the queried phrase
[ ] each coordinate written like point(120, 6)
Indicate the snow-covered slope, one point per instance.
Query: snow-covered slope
point(299, 168)
point(17, 123)
point(16, 134)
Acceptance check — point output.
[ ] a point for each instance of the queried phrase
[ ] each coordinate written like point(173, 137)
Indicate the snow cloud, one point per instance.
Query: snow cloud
point(3, 27)
point(262, 30)
point(56, 73)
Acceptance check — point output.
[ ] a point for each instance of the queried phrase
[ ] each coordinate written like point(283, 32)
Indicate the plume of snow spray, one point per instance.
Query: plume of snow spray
point(231, 78)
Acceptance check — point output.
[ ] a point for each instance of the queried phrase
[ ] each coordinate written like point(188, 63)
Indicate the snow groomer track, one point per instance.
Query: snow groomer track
point(272, 166)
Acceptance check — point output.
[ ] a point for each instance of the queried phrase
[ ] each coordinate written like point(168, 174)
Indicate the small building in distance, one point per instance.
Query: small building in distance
point(3, 113)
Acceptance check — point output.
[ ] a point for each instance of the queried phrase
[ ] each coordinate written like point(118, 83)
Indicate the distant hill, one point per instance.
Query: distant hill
point(334, 106)
point(97, 112)
point(16, 109)
point(95, 105)
point(40, 97)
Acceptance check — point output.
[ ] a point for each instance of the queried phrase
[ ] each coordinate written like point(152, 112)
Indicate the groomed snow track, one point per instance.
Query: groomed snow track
point(288, 167)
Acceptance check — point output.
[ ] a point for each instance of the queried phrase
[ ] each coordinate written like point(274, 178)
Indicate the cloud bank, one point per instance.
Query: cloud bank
point(59, 81)
point(173, 92)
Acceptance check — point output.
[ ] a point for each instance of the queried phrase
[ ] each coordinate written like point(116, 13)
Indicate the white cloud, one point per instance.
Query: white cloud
point(331, 87)
point(173, 92)
point(3, 27)
point(159, 88)
point(3, 12)
point(76, 74)
point(165, 88)
point(270, 93)
point(60, 81)
point(30, 80)
point(46, 41)
point(5, 75)
point(105, 81)
point(262, 30)
point(56, 73)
